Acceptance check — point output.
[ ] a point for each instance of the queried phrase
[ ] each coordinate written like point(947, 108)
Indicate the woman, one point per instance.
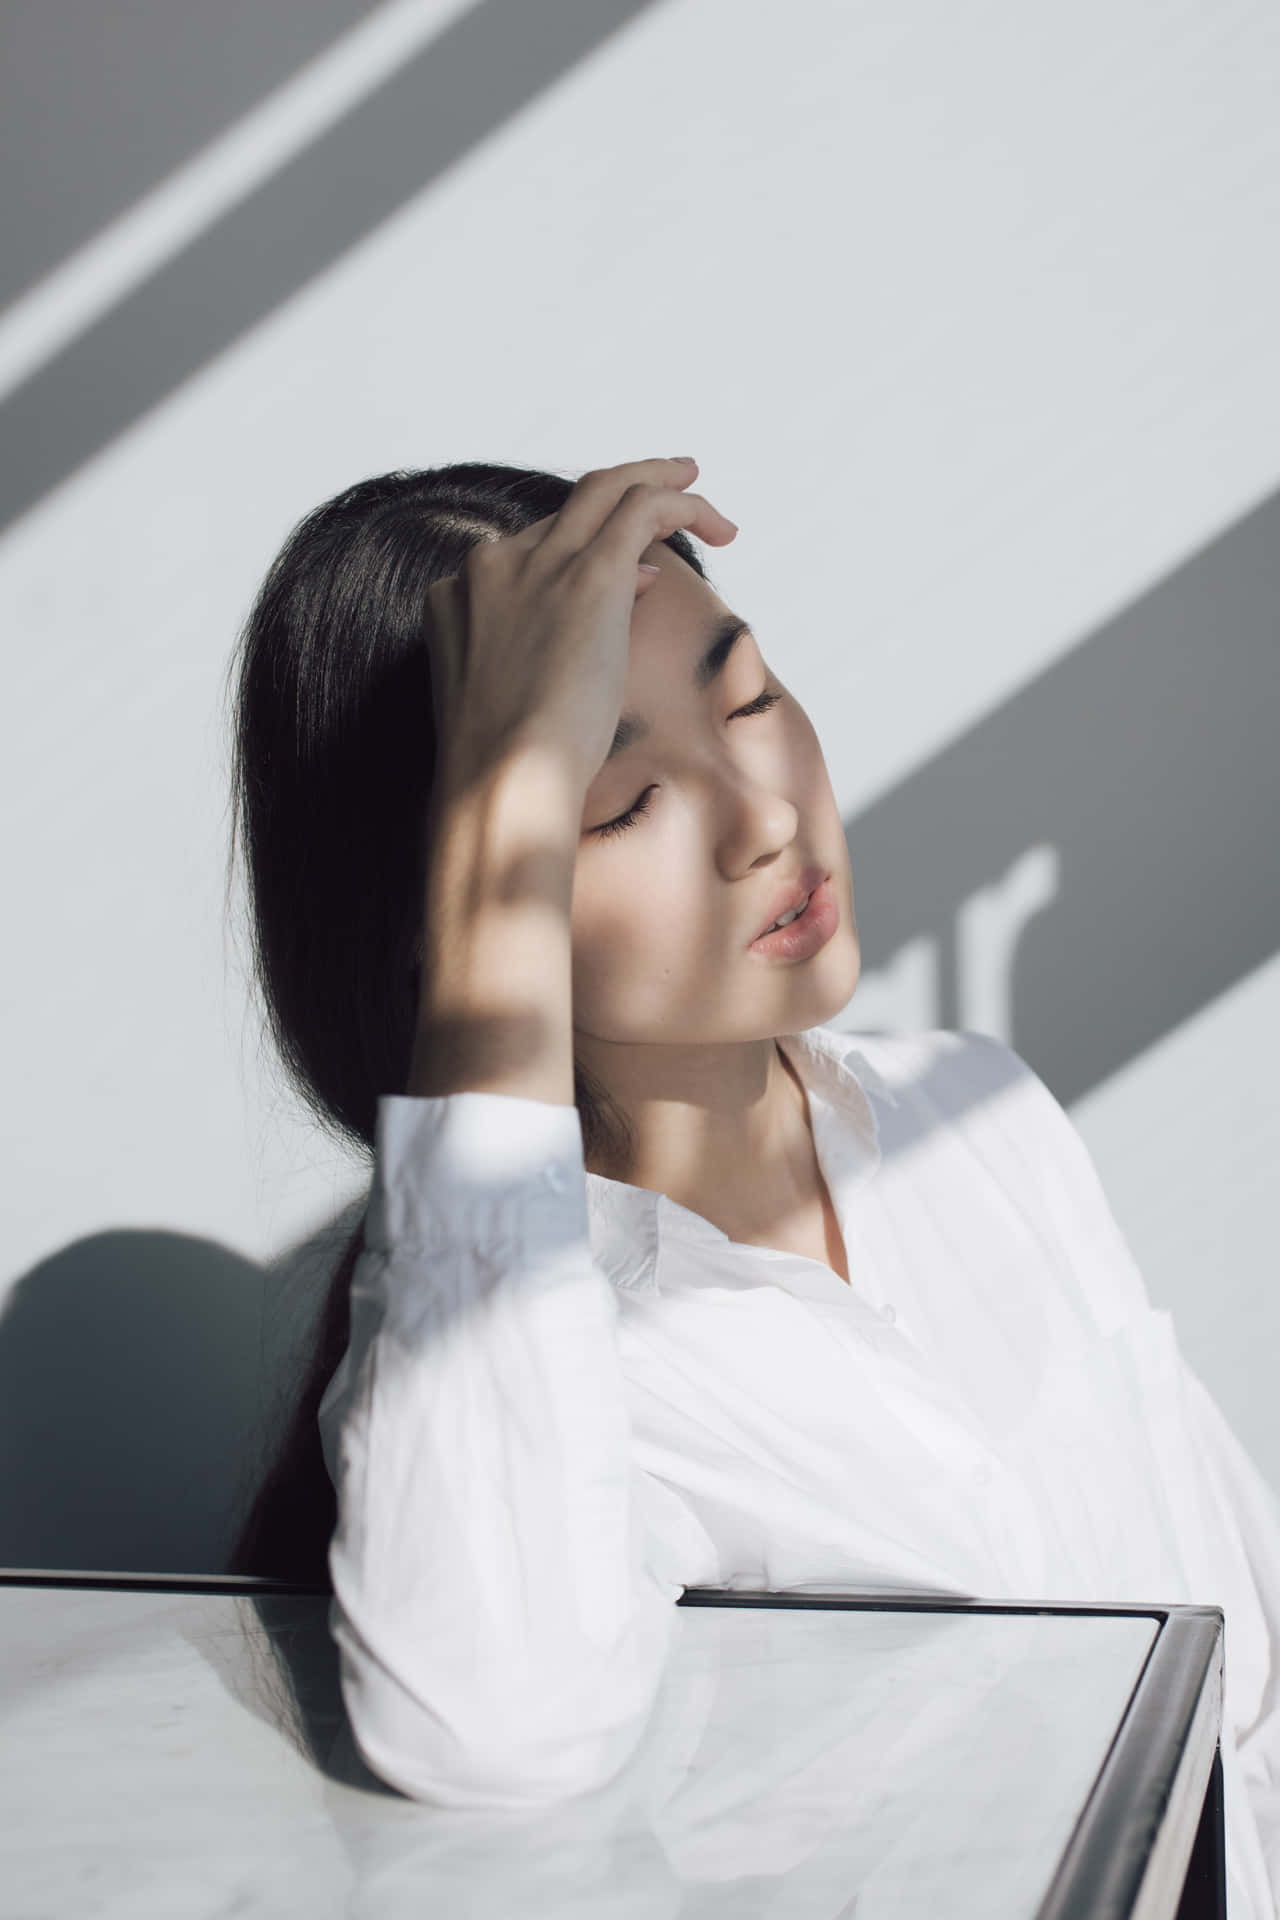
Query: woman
point(663, 1281)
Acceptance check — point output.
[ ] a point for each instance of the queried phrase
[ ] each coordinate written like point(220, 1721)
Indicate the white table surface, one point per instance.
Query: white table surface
point(799, 1765)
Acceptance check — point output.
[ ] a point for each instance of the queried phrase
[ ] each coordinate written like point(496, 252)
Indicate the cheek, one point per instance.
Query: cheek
point(602, 942)
point(640, 932)
point(607, 927)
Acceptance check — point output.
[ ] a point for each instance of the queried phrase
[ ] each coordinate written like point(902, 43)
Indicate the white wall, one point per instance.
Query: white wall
point(969, 317)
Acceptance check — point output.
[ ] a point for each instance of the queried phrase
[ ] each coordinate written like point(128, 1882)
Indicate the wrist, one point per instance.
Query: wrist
point(495, 1000)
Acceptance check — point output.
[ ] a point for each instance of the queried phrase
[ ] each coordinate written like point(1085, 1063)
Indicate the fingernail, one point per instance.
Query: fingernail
point(684, 459)
point(647, 566)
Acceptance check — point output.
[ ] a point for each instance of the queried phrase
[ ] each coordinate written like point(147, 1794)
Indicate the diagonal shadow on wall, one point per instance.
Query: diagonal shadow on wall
point(1147, 762)
point(100, 99)
point(483, 68)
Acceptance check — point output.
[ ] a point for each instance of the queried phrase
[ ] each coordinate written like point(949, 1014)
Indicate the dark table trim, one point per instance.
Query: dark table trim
point(157, 1582)
point(1161, 1753)
point(1164, 1755)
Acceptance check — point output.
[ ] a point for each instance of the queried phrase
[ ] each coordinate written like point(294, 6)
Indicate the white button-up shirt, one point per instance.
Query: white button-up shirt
point(566, 1399)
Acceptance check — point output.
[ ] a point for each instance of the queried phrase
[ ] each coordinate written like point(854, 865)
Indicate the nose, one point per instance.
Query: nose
point(761, 824)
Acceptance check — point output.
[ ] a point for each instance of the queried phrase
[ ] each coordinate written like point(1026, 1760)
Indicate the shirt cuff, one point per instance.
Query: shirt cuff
point(481, 1167)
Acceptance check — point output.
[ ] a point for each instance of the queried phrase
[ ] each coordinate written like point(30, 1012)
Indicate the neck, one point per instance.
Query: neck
point(723, 1130)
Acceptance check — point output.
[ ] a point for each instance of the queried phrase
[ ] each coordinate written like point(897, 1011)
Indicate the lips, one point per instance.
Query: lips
point(799, 890)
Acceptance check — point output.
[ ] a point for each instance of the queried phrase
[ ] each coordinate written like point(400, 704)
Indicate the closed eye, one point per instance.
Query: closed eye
point(761, 704)
point(627, 819)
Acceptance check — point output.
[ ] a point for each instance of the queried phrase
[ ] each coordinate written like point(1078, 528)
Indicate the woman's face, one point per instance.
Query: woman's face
point(736, 807)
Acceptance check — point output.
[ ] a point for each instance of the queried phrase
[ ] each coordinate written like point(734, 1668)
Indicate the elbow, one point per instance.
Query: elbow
point(486, 1747)
point(446, 1723)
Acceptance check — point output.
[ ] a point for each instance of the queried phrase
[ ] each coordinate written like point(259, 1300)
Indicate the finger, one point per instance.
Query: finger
point(645, 514)
point(597, 493)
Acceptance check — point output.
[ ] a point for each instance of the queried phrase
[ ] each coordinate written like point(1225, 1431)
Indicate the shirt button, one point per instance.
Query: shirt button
point(555, 1179)
point(889, 1314)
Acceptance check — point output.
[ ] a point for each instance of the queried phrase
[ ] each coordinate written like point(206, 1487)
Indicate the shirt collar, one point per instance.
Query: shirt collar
point(629, 1224)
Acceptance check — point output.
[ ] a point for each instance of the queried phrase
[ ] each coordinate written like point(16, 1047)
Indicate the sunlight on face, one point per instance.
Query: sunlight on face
point(733, 807)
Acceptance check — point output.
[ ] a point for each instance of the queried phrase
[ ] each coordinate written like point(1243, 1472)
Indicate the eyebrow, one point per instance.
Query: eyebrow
point(725, 635)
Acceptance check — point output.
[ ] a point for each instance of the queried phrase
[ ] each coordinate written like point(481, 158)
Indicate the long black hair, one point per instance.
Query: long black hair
point(332, 762)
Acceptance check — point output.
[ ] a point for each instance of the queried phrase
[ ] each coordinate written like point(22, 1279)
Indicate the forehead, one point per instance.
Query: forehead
point(682, 644)
point(673, 621)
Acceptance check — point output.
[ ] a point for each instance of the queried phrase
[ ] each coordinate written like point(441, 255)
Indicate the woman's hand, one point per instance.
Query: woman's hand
point(529, 643)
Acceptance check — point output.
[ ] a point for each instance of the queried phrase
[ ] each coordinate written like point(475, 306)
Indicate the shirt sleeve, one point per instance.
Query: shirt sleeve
point(503, 1571)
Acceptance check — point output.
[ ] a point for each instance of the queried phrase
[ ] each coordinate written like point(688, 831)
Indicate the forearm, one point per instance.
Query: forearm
point(495, 1012)
point(499, 1605)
